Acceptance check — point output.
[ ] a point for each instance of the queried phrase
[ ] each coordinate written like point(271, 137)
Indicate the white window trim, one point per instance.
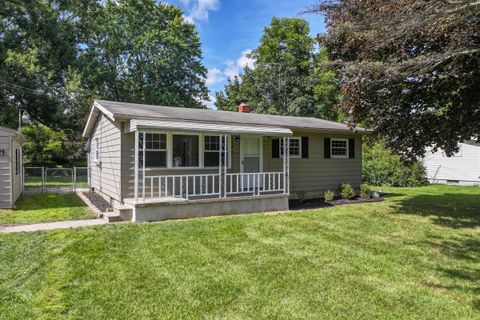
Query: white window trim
point(201, 147)
point(346, 156)
point(166, 150)
point(280, 145)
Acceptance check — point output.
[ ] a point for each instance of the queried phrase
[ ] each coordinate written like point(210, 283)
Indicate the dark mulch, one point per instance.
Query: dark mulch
point(318, 203)
point(98, 201)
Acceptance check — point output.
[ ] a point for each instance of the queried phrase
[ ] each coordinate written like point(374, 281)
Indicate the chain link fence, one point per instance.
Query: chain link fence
point(45, 179)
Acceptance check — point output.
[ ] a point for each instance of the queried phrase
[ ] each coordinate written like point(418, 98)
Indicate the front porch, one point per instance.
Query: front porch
point(200, 167)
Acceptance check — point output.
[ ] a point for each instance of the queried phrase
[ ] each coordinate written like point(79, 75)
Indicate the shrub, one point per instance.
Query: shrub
point(346, 191)
point(382, 167)
point(365, 191)
point(328, 195)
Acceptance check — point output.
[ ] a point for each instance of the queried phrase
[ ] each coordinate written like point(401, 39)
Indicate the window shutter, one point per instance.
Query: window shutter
point(304, 147)
point(351, 148)
point(326, 148)
point(275, 148)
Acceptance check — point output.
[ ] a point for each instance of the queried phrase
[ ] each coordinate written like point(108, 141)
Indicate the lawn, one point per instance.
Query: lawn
point(55, 181)
point(414, 256)
point(45, 208)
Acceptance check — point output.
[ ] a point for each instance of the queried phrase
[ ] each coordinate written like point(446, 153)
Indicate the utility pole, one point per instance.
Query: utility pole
point(19, 120)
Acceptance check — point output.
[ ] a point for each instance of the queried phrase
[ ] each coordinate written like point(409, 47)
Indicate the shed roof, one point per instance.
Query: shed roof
point(129, 111)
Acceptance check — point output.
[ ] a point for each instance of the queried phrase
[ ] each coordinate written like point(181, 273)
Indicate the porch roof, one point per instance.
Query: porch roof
point(207, 127)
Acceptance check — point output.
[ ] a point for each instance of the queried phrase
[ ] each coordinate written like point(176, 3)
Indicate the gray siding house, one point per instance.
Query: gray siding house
point(10, 167)
point(157, 162)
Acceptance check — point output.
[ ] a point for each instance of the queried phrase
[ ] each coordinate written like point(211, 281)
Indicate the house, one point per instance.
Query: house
point(156, 162)
point(463, 168)
point(10, 167)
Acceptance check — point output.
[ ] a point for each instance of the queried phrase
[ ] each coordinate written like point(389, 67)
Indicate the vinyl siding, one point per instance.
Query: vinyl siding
point(464, 166)
point(5, 173)
point(106, 174)
point(315, 174)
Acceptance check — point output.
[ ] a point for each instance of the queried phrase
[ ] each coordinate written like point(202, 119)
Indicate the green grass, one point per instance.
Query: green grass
point(45, 208)
point(55, 182)
point(414, 256)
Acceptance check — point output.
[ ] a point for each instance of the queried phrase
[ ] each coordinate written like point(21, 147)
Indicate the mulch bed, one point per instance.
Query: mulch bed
point(98, 201)
point(318, 203)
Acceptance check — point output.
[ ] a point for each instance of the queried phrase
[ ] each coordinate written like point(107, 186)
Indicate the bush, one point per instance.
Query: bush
point(328, 195)
point(346, 191)
point(382, 167)
point(365, 191)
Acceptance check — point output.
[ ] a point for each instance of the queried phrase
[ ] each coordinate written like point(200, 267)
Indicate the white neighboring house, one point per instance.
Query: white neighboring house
point(463, 168)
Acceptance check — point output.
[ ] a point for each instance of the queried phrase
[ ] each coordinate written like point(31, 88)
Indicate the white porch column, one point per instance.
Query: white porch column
point(222, 166)
point(286, 165)
point(136, 167)
point(143, 165)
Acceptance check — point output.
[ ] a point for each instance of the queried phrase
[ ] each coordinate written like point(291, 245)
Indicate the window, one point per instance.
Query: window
point(211, 151)
point(185, 151)
point(339, 148)
point(97, 150)
point(295, 147)
point(17, 161)
point(155, 150)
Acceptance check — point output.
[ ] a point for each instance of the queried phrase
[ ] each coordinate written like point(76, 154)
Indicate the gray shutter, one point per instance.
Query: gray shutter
point(275, 148)
point(326, 148)
point(351, 148)
point(304, 147)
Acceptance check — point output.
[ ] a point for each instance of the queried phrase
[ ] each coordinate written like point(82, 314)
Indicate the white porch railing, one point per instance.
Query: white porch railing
point(208, 185)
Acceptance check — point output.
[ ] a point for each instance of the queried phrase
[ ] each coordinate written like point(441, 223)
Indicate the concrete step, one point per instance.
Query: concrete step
point(121, 213)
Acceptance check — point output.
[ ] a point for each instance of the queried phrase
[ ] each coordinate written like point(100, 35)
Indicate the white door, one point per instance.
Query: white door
point(250, 159)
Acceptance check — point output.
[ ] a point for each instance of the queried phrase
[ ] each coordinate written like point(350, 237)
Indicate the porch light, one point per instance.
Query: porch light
point(2, 152)
point(237, 138)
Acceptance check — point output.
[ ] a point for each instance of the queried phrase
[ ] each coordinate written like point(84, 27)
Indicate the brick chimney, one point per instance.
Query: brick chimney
point(244, 107)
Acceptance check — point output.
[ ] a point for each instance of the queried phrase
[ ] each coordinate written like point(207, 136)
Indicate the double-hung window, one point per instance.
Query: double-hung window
point(339, 148)
point(211, 151)
point(295, 147)
point(155, 150)
point(97, 150)
point(17, 161)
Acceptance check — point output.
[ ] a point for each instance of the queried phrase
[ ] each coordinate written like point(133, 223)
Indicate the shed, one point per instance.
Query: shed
point(10, 167)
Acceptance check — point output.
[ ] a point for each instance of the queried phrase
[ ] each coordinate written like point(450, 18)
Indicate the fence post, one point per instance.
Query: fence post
point(43, 178)
point(74, 178)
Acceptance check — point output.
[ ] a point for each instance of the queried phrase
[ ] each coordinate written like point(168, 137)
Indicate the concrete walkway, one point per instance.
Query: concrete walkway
point(53, 225)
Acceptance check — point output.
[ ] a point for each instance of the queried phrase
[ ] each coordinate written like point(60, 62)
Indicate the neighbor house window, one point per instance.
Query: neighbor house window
point(97, 150)
point(211, 151)
point(185, 150)
point(155, 150)
point(339, 148)
point(17, 161)
point(295, 147)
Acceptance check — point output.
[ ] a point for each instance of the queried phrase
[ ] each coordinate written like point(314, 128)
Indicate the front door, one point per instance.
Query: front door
point(250, 159)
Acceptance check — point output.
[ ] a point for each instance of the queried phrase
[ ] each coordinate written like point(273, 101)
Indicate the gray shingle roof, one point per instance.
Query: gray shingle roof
point(142, 111)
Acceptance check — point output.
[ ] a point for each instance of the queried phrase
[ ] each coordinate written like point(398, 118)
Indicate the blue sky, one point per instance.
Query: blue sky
point(230, 28)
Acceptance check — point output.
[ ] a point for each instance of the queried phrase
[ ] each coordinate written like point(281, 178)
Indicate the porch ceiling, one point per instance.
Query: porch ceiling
point(207, 127)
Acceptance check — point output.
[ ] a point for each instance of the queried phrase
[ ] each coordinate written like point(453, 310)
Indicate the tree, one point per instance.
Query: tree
point(57, 56)
point(43, 146)
point(288, 75)
point(409, 69)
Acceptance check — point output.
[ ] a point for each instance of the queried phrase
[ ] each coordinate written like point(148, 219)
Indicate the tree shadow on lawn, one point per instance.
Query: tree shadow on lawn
point(465, 272)
point(454, 210)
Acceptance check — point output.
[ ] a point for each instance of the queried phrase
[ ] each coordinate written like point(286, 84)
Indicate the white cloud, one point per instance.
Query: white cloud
point(198, 9)
point(215, 75)
point(235, 67)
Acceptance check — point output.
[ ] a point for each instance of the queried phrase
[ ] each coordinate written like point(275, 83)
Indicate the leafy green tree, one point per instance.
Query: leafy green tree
point(383, 167)
point(409, 69)
point(43, 146)
point(288, 77)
